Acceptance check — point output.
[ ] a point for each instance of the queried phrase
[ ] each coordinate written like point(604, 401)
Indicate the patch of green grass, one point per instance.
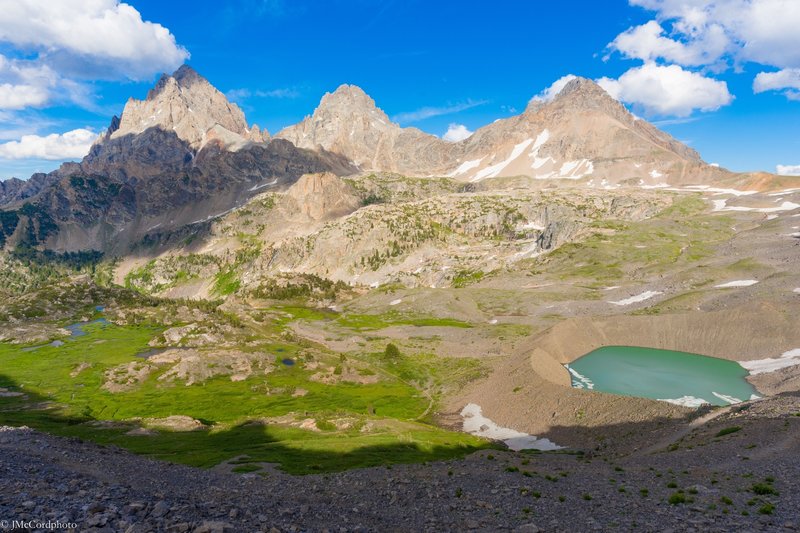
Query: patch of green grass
point(373, 322)
point(467, 277)
point(728, 431)
point(244, 469)
point(681, 234)
point(764, 489)
point(226, 282)
point(767, 508)
point(677, 498)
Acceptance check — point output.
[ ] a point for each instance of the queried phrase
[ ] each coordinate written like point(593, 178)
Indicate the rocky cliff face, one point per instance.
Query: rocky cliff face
point(347, 122)
point(189, 105)
point(319, 197)
point(103, 206)
point(14, 189)
point(181, 157)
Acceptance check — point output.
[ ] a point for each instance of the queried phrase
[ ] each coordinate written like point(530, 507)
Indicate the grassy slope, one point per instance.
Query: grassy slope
point(387, 422)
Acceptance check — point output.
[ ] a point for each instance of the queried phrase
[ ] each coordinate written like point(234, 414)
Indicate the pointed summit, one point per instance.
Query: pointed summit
point(585, 94)
point(347, 122)
point(350, 96)
point(350, 102)
point(583, 86)
point(186, 103)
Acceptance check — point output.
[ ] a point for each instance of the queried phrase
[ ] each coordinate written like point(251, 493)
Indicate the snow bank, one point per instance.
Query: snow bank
point(580, 381)
point(736, 283)
point(722, 205)
point(685, 401)
point(638, 298)
point(477, 424)
point(493, 170)
point(268, 184)
point(762, 366)
point(466, 167)
point(725, 398)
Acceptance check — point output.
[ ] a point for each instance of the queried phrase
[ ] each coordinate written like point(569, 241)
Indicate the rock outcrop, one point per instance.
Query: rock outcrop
point(316, 197)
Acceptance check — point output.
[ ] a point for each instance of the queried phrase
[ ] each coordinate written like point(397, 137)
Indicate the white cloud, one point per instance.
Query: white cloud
point(551, 92)
point(456, 132)
point(70, 145)
point(429, 112)
point(50, 47)
point(788, 170)
point(21, 96)
point(237, 95)
point(24, 83)
point(101, 36)
point(717, 34)
point(667, 90)
point(788, 79)
point(648, 42)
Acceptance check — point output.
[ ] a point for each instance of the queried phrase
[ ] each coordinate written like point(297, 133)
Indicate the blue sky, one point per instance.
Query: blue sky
point(723, 76)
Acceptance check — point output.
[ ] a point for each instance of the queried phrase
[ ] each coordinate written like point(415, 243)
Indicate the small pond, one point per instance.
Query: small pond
point(77, 329)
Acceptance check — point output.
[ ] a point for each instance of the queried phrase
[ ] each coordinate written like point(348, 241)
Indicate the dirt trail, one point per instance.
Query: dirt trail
point(684, 430)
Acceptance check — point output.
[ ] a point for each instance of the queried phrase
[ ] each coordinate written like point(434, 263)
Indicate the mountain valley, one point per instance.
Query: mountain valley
point(199, 311)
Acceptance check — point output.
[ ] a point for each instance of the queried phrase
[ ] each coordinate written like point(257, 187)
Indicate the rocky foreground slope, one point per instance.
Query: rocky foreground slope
point(738, 472)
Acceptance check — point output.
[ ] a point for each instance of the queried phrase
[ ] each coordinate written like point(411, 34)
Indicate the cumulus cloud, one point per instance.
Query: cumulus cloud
point(717, 34)
point(551, 92)
point(429, 112)
point(50, 49)
point(95, 35)
point(21, 96)
point(667, 90)
point(456, 132)
point(787, 80)
point(788, 170)
point(24, 83)
point(70, 145)
point(649, 42)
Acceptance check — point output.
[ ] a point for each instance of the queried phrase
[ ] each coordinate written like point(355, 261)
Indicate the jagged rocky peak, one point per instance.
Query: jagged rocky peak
point(349, 105)
point(186, 103)
point(348, 122)
point(348, 96)
point(585, 88)
point(583, 94)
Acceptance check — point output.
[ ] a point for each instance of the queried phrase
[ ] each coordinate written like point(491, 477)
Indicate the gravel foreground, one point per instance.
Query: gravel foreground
point(744, 480)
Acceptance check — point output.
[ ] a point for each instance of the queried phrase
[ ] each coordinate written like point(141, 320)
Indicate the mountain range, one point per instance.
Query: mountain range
point(186, 155)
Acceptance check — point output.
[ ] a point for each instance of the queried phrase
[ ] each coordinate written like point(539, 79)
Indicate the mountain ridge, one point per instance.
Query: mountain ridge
point(580, 119)
point(186, 154)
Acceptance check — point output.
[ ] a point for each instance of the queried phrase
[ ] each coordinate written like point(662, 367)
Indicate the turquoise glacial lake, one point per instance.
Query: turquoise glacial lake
point(678, 377)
